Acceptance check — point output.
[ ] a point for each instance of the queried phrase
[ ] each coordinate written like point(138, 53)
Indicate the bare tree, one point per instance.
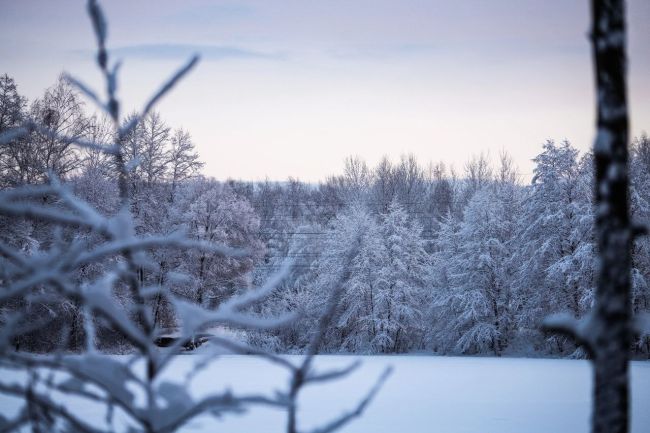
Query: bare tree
point(60, 114)
point(356, 178)
point(155, 137)
point(182, 158)
point(478, 173)
point(410, 184)
point(384, 185)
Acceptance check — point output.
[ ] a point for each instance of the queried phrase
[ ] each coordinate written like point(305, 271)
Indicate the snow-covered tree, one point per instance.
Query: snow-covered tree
point(556, 248)
point(217, 214)
point(14, 156)
point(640, 211)
point(351, 255)
point(406, 274)
point(473, 305)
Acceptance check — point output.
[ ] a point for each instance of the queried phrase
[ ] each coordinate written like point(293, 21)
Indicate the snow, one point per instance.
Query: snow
point(424, 394)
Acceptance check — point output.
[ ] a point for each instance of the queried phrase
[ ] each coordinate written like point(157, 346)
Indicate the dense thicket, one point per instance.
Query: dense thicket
point(429, 258)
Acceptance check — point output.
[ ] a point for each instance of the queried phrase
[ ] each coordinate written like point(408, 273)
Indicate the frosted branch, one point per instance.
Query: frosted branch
point(358, 411)
point(326, 376)
point(216, 404)
point(578, 329)
point(166, 87)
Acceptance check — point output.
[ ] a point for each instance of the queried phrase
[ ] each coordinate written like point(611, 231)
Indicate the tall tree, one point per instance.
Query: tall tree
point(155, 136)
point(15, 157)
point(555, 251)
point(12, 104)
point(406, 272)
point(474, 312)
point(360, 325)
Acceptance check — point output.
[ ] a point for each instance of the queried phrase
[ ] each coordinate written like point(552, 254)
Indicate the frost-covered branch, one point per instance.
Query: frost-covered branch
point(92, 259)
point(46, 404)
point(174, 417)
point(581, 330)
point(303, 374)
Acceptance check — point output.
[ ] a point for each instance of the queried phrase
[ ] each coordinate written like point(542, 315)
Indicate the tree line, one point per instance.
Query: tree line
point(429, 258)
point(454, 263)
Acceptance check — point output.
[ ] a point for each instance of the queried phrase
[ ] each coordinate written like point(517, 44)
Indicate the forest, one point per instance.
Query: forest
point(431, 258)
point(141, 294)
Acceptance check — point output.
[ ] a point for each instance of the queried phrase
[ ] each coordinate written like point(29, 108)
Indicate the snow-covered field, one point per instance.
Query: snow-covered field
point(424, 394)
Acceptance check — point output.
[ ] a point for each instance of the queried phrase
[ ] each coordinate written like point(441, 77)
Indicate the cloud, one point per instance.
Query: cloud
point(379, 52)
point(182, 51)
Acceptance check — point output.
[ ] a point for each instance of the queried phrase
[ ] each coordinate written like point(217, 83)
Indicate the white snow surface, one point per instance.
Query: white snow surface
point(424, 394)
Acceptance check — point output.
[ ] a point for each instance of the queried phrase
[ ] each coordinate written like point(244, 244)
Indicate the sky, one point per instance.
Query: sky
point(290, 88)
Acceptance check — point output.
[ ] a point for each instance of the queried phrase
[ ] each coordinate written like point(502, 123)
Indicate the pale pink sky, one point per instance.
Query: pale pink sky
point(289, 88)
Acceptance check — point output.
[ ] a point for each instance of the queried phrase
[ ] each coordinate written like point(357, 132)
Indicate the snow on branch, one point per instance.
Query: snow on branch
point(175, 416)
point(314, 377)
point(303, 375)
point(169, 84)
point(30, 126)
point(578, 329)
point(94, 267)
point(252, 296)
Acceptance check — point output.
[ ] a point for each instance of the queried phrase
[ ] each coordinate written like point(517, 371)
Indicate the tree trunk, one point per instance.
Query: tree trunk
point(606, 333)
point(158, 302)
point(610, 326)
